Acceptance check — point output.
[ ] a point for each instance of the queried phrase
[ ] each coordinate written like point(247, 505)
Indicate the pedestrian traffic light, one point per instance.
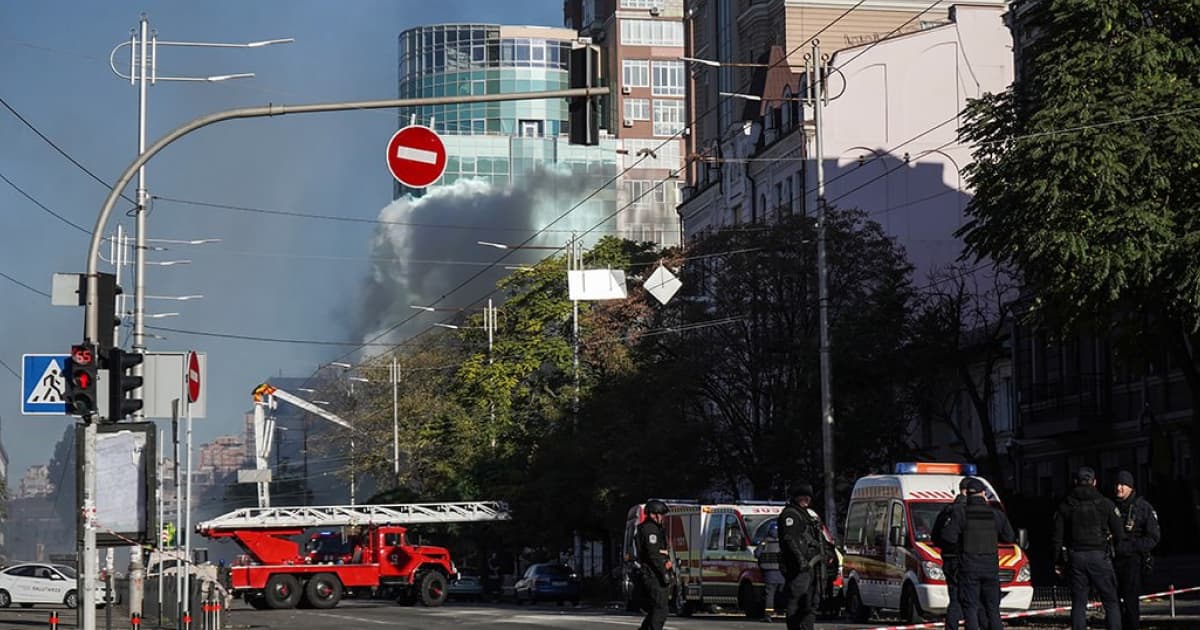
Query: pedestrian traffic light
point(120, 384)
point(583, 120)
point(81, 380)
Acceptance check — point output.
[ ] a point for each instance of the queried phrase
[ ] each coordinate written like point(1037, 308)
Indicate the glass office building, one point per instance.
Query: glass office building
point(499, 142)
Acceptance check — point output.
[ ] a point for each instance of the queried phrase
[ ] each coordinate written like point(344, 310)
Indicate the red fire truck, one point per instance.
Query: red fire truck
point(277, 573)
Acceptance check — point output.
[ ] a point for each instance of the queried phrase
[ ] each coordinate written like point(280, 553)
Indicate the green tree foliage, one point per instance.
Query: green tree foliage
point(1086, 171)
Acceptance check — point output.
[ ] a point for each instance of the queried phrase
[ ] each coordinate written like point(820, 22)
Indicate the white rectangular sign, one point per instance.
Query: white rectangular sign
point(165, 379)
point(596, 284)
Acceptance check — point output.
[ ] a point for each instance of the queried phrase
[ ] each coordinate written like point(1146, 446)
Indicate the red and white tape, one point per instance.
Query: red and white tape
point(1040, 611)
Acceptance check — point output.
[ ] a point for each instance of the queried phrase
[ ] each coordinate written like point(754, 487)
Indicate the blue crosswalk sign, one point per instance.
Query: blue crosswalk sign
point(43, 384)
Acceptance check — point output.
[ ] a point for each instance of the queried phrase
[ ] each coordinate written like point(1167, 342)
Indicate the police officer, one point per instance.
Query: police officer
point(801, 555)
point(977, 527)
point(768, 563)
point(656, 565)
point(950, 556)
point(1086, 524)
point(1140, 523)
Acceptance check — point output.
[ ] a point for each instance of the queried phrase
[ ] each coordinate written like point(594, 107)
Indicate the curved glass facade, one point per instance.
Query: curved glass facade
point(473, 59)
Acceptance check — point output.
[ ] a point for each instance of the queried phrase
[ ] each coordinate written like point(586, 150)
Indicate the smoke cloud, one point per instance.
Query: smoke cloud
point(417, 263)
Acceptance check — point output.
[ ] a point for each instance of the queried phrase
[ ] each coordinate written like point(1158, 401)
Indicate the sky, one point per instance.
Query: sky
point(271, 276)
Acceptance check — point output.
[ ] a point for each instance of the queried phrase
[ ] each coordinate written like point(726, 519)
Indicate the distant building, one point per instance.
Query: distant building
point(641, 43)
point(223, 456)
point(36, 482)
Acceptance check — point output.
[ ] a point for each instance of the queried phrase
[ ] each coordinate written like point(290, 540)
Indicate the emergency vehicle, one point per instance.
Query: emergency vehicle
point(890, 560)
point(277, 573)
point(711, 547)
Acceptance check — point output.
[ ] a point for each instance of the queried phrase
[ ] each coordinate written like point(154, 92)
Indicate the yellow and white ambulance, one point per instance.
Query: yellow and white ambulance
point(890, 561)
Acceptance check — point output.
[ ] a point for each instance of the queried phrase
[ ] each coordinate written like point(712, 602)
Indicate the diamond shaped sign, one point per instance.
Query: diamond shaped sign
point(662, 284)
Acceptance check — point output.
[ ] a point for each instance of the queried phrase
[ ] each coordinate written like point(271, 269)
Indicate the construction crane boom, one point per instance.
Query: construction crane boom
point(340, 515)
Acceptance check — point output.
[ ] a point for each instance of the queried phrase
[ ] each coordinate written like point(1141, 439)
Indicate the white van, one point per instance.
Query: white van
point(890, 560)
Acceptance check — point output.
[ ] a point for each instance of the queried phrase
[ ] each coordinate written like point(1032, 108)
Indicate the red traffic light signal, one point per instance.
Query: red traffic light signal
point(81, 381)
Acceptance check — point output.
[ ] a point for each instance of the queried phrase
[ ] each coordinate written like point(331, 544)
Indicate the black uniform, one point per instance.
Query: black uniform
point(977, 528)
point(1086, 526)
point(1140, 523)
point(801, 554)
point(950, 560)
point(652, 555)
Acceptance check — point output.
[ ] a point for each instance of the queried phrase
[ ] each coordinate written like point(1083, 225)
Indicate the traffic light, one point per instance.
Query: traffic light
point(81, 380)
point(583, 119)
point(120, 383)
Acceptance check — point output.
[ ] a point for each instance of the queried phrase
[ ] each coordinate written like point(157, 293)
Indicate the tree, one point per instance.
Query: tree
point(959, 336)
point(1085, 173)
point(751, 302)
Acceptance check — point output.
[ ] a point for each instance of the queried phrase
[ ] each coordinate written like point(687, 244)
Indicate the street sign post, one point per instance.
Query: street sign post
point(416, 156)
point(43, 385)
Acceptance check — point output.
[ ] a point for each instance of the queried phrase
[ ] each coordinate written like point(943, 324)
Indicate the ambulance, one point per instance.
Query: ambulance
point(711, 548)
point(891, 562)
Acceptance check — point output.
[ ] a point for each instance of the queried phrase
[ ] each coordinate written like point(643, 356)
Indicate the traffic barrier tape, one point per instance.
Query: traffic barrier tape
point(1040, 611)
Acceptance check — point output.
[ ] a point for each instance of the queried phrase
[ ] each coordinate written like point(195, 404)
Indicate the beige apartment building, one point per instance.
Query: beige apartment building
point(642, 44)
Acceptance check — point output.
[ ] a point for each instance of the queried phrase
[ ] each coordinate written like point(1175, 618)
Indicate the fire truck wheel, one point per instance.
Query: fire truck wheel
point(750, 600)
point(283, 591)
point(324, 590)
point(910, 606)
point(431, 585)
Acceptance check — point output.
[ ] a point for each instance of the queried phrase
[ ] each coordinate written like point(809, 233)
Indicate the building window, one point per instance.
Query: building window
point(668, 78)
point(641, 4)
point(668, 117)
point(635, 73)
point(652, 32)
point(779, 198)
point(786, 204)
point(637, 109)
point(531, 128)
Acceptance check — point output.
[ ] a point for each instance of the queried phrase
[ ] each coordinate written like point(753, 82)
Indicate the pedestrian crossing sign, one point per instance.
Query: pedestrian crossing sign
point(44, 385)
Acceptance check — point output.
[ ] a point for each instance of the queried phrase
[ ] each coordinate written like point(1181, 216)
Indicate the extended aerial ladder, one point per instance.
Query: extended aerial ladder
point(265, 397)
point(310, 516)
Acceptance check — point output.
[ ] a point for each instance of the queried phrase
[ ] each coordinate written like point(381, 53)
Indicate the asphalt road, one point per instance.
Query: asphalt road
point(382, 615)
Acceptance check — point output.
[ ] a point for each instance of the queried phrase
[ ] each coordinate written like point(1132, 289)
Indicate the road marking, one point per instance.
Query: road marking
point(351, 618)
point(416, 155)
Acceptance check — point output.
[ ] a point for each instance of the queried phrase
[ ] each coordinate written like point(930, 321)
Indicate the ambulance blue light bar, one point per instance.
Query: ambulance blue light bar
point(935, 468)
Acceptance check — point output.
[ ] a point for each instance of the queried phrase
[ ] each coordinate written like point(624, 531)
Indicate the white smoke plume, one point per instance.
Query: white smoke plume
point(414, 263)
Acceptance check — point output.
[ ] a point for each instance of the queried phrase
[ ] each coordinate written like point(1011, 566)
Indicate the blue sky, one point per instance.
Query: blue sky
point(270, 276)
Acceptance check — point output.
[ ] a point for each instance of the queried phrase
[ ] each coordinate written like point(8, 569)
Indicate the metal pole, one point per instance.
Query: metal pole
point(139, 286)
point(87, 578)
point(575, 264)
point(92, 316)
point(353, 477)
point(817, 81)
point(161, 523)
point(395, 419)
point(178, 512)
point(186, 532)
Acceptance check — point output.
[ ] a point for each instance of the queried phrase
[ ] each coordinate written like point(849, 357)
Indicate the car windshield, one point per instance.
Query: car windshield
point(758, 524)
point(554, 570)
point(65, 570)
point(924, 515)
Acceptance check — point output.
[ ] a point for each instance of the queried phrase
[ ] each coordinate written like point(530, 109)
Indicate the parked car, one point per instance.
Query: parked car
point(548, 582)
point(467, 586)
point(30, 583)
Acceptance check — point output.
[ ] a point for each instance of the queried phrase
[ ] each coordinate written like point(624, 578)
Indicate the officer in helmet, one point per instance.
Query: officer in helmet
point(767, 553)
point(802, 552)
point(656, 564)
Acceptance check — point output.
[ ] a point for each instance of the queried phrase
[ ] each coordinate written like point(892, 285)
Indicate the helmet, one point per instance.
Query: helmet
point(800, 489)
point(654, 506)
point(773, 529)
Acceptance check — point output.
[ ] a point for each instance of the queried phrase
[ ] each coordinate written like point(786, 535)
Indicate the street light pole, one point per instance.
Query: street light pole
point(816, 84)
point(395, 374)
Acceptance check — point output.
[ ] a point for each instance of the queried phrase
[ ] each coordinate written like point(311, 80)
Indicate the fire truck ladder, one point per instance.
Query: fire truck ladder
point(340, 515)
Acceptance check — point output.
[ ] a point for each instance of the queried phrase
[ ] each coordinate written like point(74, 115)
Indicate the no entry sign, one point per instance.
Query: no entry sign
point(416, 156)
point(193, 377)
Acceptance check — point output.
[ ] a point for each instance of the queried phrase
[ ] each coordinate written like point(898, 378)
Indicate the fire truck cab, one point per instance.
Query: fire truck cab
point(890, 560)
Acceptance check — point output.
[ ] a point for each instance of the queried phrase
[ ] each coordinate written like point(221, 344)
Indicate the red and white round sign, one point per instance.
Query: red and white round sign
point(416, 156)
point(193, 377)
